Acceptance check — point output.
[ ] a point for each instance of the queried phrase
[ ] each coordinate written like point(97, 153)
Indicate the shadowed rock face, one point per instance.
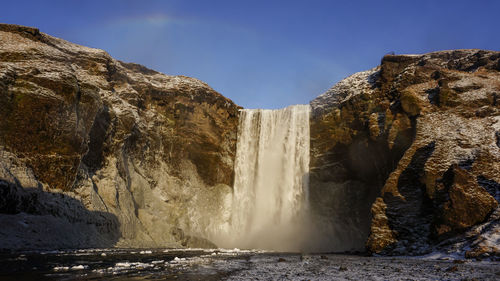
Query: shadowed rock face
point(156, 151)
point(418, 136)
point(31, 219)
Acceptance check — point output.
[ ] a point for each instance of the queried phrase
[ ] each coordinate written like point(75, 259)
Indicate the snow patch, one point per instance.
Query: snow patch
point(79, 267)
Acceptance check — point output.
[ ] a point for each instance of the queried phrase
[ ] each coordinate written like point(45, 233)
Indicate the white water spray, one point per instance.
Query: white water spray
point(271, 179)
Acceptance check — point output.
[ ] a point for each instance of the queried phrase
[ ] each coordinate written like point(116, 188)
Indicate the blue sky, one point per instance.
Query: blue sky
point(263, 54)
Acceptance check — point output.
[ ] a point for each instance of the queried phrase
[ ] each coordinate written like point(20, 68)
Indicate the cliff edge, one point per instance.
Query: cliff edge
point(111, 152)
point(419, 137)
point(95, 152)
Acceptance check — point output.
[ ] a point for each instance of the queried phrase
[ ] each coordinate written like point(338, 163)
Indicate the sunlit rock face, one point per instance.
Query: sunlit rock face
point(408, 156)
point(134, 157)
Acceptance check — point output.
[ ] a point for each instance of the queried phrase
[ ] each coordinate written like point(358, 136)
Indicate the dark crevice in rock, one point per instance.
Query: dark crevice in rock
point(78, 96)
point(395, 103)
point(374, 80)
point(497, 136)
point(8, 79)
point(436, 75)
point(441, 197)
point(433, 96)
point(370, 161)
point(123, 166)
point(94, 158)
point(491, 186)
point(111, 70)
point(381, 118)
point(413, 229)
point(466, 164)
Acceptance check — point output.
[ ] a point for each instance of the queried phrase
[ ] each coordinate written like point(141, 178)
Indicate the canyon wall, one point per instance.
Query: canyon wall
point(95, 152)
point(419, 137)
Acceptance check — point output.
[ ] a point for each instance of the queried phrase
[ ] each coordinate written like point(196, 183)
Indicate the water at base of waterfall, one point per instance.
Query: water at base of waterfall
point(221, 264)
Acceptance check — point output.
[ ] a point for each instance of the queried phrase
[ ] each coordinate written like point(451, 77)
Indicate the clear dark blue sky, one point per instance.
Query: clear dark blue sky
point(263, 54)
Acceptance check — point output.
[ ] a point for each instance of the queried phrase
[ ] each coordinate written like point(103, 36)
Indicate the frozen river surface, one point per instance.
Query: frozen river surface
point(198, 264)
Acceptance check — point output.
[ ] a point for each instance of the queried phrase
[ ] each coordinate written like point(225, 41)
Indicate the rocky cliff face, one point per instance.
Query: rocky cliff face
point(94, 152)
point(112, 152)
point(419, 138)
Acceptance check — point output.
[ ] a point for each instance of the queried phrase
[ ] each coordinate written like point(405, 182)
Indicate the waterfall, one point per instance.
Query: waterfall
point(270, 198)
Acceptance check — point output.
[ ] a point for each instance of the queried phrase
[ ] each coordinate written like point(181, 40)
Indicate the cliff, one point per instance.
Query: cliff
point(95, 152)
point(419, 137)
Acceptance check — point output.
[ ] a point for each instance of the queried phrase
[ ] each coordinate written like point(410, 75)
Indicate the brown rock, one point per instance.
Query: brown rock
point(154, 150)
point(432, 160)
point(381, 235)
point(465, 203)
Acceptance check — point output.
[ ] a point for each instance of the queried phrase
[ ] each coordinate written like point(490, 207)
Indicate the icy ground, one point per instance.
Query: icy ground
point(218, 264)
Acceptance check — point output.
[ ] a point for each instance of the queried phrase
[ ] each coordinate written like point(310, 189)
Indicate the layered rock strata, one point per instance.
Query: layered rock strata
point(418, 137)
point(94, 152)
point(113, 150)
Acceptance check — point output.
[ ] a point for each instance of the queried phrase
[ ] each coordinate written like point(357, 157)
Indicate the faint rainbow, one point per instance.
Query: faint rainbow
point(158, 20)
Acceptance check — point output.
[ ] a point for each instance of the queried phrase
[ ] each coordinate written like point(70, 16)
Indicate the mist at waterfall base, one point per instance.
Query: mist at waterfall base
point(270, 206)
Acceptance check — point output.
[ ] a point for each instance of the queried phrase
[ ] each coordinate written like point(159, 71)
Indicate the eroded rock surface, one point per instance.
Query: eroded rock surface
point(94, 152)
point(147, 155)
point(418, 136)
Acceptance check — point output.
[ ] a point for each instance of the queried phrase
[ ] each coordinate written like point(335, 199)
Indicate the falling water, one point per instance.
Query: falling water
point(271, 179)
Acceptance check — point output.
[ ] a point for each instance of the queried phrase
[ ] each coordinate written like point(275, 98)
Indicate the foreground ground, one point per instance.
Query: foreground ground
point(126, 264)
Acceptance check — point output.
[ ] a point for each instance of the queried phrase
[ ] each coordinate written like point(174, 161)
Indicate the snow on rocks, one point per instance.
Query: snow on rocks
point(345, 89)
